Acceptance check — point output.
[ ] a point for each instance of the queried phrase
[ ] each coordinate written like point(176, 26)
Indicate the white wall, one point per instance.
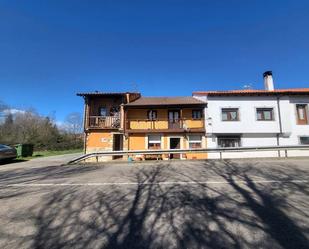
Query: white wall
point(247, 140)
point(247, 114)
point(253, 132)
point(248, 123)
point(296, 130)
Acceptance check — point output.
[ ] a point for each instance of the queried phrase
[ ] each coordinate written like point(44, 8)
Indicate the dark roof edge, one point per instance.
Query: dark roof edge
point(105, 93)
point(164, 105)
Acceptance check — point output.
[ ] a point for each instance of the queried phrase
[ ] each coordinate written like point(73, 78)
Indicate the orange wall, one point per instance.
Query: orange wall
point(137, 142)
point(195, 155)
point(99, 141)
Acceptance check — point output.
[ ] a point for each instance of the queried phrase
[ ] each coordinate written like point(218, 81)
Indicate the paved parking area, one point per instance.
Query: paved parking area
point(179, 204)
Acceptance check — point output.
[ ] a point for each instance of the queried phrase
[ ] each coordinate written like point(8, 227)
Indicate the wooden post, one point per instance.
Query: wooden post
point(122, 118)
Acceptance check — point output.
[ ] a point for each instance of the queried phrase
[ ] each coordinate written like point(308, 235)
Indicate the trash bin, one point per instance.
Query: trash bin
point(24, 150)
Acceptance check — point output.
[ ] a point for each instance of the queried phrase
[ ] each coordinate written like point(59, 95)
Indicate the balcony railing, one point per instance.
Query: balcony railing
point(101, 122)
point(163, 124)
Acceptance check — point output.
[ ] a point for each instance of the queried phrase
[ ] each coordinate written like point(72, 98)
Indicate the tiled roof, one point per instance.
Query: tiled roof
point(157, 101)
point(104, 93)
point(291, 91)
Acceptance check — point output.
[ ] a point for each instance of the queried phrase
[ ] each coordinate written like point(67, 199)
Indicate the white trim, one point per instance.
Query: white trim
point(195, 141)
point(162, 142)
point(181, 142)
point(154, 134)
point(146, 142)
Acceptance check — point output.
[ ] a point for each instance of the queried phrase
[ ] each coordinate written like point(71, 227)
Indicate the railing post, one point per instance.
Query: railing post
point(220, 155)
point(286, 152)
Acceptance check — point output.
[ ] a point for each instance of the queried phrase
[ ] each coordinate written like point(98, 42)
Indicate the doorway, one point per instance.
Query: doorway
point(175, 144)
point(174, 119)
point(117, 144)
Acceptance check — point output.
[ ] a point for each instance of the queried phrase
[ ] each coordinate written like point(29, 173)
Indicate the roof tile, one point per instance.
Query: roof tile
point(254, 92)
point(156, 101)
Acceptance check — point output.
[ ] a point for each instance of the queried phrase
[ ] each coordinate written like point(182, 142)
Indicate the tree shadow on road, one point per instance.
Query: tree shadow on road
point(238, 214)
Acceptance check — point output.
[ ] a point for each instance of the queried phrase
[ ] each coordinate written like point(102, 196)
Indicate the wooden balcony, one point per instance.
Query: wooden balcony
point(178, 125)
point(101, 122)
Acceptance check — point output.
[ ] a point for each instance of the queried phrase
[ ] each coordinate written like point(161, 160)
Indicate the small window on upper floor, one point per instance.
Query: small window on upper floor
point(302, 114)
point(265, 114)
point(197, 114)
point(152, 115)
point(103, 111)
point(230, 114)
point(304, 140)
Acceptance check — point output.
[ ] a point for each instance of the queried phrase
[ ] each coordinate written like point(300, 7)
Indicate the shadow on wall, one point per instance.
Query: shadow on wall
point(239, 214)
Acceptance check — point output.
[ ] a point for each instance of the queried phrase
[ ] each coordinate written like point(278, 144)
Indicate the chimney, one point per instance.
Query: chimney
point(268, 81)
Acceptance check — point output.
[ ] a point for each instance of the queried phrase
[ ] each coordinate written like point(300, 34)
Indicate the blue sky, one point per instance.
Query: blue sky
point(49, 50)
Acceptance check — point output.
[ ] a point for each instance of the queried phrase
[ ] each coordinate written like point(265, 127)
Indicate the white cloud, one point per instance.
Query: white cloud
point(13, 111)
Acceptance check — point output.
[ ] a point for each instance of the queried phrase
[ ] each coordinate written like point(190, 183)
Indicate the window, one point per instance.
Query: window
point(154, 142)
point(196, 114)
point(195, 141)
point(230, 114)
point(302, 117)
point(265, 114)
point(152, 115)
point(229, 141)
point(103, 111)
point(304, 140)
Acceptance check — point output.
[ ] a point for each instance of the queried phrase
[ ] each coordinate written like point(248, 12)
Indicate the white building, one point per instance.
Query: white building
point(246, 118)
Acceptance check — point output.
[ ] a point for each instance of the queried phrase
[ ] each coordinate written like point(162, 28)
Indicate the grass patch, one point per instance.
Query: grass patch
point(46, 153)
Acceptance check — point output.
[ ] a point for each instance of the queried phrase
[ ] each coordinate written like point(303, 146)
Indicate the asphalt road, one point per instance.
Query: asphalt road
point(179, 204)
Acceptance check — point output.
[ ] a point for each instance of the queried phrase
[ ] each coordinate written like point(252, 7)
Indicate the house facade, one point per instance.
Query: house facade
point(127, 121)
point(166, 123)
point(208, 119)
point(253, 118)
point(104, 120)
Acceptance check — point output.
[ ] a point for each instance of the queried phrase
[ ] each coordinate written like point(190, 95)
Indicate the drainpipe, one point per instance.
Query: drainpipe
point(280, 123)
point(84, 122)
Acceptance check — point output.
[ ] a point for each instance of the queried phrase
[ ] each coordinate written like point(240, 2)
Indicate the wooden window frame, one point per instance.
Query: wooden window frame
point(197, 110)
point(305, 120)
point(153, 112)
point(106, 111)
point(272, 116)
point(229, 115)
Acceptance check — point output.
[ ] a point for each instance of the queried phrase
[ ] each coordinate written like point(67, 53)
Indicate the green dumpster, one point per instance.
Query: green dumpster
point(24, 150)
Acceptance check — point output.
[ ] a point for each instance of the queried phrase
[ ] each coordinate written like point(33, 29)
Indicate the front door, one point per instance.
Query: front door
point(174, 119)
point(117, 144)
point(174, 144)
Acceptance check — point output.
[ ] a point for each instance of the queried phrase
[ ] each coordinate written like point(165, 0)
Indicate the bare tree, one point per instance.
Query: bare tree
point(73, 123)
